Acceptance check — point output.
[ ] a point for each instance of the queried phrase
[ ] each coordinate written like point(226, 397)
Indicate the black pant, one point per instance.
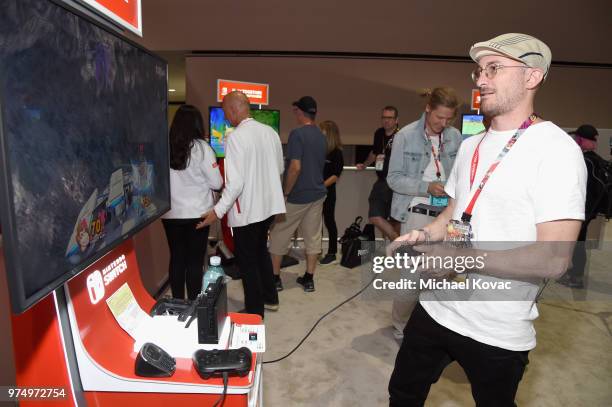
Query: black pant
point(255, 265)
point(579, 258)
point(187, 250)
point(329, 208)
point(428, 348)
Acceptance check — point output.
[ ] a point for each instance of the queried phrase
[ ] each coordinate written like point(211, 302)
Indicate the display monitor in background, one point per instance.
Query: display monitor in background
point(83, 144)
point(220, 127)
point(472, 124)
point(269, 117)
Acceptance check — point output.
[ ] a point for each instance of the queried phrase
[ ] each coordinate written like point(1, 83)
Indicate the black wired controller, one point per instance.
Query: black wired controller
point(216, 362)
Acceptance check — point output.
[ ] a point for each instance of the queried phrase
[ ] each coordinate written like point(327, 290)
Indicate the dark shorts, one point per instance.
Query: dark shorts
point(380, 199)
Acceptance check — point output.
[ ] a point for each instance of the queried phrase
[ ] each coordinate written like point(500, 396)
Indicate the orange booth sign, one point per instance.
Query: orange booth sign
point(258, 93)
point(126, 13)
point(475, 99)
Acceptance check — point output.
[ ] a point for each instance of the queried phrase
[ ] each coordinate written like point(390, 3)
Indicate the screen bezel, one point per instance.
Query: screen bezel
point(19, 301)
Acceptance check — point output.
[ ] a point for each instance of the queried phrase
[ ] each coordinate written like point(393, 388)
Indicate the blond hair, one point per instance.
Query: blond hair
point(442, 96)
point(332, 134)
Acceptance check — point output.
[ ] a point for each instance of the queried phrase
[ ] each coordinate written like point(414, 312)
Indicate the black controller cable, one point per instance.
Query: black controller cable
point(221, 399)
point(321, 319)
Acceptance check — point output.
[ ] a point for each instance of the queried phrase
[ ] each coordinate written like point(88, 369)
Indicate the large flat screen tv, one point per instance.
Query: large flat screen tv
point(83, 143)
point(219, 127)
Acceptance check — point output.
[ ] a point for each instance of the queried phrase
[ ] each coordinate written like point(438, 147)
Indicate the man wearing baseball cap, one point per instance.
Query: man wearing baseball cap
point(304, 192)
point(586, 137)
point(523, 180)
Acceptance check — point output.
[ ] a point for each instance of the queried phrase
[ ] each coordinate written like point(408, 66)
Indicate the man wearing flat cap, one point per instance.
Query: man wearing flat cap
point(521, 182)
point(304, 191)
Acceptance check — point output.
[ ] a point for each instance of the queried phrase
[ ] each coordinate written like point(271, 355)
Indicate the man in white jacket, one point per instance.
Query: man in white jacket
point(252, 196)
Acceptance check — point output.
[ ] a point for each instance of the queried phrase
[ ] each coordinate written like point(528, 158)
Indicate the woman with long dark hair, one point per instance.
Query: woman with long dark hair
point(334, 163)
point(194, 175)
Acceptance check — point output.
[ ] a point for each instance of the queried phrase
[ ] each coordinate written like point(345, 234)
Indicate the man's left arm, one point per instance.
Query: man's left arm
point(295, 151)
point(548, 257)
point(293, 172)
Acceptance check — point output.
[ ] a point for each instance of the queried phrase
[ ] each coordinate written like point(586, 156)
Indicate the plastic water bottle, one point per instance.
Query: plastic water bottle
point(213, 273)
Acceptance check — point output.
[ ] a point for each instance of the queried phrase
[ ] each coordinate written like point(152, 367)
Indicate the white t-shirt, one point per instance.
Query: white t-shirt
point(191, 189)
point(541, 179)
point(429, 174)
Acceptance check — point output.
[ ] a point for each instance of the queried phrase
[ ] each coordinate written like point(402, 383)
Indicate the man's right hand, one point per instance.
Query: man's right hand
point(360, 166)
point(411, 238)
point(208, 219)
point(436, 189)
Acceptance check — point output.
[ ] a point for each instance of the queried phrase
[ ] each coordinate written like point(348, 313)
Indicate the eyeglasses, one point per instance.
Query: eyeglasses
point(388, 117)
point(491, 70)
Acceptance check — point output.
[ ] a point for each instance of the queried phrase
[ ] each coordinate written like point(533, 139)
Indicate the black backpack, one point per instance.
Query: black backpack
point(599, 186)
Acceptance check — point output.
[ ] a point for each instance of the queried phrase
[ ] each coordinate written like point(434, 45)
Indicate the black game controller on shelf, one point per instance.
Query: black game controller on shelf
point(214, 363)
point(153, 361)
point(170, 306)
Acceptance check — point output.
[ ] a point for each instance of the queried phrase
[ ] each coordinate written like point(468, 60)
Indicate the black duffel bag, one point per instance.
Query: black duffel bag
point(350, 253)
point(353, 231)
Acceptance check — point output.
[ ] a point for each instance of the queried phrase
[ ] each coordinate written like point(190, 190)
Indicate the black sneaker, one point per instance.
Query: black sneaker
point(271, 307)
point(328, 259)
point(278, 283)
point(306, 282)
point(571, 282)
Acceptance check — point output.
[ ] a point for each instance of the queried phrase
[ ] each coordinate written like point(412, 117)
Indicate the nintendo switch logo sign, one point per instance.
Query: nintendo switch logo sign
point(95, 286)
point(97, 280)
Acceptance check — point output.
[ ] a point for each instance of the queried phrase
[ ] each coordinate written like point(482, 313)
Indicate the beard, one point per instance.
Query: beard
point(505, 101)
point(390, 128)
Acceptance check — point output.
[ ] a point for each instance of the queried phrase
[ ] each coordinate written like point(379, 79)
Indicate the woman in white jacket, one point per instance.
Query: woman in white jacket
point(194, 174)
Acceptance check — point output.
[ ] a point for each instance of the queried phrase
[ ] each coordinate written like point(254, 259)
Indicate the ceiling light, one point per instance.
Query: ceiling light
point(171, 90)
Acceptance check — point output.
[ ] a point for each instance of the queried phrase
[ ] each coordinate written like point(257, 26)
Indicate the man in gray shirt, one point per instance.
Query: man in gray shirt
point(304, 191)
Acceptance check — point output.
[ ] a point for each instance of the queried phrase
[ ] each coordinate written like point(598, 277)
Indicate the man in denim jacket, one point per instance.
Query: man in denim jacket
point(422, 157)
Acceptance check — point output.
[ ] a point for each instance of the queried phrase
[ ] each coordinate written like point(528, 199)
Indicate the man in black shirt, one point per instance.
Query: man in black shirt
point(381, 195)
